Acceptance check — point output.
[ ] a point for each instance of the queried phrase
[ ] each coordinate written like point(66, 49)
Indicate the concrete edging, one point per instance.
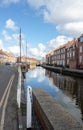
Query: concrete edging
point(52, 114)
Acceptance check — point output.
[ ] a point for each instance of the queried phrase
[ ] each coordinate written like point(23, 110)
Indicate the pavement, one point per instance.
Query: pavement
point(8, 98)
point(12, 117)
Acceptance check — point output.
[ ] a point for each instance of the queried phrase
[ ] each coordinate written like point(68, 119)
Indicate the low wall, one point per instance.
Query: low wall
point(65, 71)
point(51, 115)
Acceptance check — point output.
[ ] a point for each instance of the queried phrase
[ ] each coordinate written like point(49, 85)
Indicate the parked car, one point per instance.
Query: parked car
point(7, 63)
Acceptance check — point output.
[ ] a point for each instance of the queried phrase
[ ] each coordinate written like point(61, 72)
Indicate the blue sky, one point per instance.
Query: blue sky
point(45, 25)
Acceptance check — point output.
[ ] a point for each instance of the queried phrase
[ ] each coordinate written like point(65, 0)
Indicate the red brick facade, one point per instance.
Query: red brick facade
point(80, 52)
point(69, 55)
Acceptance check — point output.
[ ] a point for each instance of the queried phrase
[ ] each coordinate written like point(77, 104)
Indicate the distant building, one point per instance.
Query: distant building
point(6, 57)
point(3, 57)
point(23, 59)
point(11, 57)
point(28, 60)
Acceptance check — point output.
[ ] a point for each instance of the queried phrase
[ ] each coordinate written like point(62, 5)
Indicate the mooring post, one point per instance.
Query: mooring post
point(29, 108)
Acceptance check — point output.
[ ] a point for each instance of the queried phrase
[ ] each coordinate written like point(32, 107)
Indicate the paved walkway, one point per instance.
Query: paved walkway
point(8, 95)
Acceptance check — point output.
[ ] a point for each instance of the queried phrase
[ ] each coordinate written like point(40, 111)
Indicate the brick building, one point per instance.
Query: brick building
point(72, 54)
point(80, 51)
point(6, 57)
point(69, 55)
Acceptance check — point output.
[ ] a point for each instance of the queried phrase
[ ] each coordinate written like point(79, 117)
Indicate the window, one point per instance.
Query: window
point(63, 56)
point(63, 62)
point(73, 53)
point(80, 59)
point(81, 39)
point(70, 54)
point(67, 54)
point(80, 49)
point(74, 46)
point(67, 61)
point(64, 50)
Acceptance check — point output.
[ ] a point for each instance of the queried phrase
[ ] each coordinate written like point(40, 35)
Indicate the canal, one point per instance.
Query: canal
point(66, 90)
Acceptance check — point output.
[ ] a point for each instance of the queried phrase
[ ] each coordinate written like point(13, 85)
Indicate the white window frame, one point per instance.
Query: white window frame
point(80, 59)
point(73, 53)
point(81, 49)
point(81, 39)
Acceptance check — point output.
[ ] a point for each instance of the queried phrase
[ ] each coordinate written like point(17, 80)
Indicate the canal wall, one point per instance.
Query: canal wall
point(65, 71)
point(51, 115)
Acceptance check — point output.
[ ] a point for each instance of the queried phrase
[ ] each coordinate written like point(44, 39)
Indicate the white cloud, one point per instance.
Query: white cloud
point(62, 11)
point(7, 38)
point(14, 49)
point(13, 38)
point(34, 52)
point(38, 52)
point(66, 15)
point(75, 28)
point(36, 3)
point(1, 44)
point(10, 38)
point(41, 47)
point(60, 40)
point(10, 24)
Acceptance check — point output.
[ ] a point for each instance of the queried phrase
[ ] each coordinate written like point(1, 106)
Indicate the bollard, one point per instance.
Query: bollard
point(29, 108)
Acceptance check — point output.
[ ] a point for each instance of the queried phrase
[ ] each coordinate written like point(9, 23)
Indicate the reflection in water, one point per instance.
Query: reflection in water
point(80, 96)
point(37, 73)
point(69, 86)
point(65, 90)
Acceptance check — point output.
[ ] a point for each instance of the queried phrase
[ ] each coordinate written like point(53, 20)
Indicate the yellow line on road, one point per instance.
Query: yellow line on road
point(5, 102)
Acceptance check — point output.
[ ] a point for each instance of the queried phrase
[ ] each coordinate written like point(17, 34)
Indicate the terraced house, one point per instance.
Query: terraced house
point(68, 55)
point(80, 52)
point(6, 57)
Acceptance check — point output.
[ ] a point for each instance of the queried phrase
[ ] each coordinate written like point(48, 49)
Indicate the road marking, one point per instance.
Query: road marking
point(5, 102)
point(1, 102)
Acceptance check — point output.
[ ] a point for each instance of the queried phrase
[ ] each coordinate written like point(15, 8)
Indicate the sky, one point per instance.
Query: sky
point(45, 25)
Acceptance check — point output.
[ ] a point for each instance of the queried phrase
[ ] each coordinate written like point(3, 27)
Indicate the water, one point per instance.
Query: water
point(67, 91)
